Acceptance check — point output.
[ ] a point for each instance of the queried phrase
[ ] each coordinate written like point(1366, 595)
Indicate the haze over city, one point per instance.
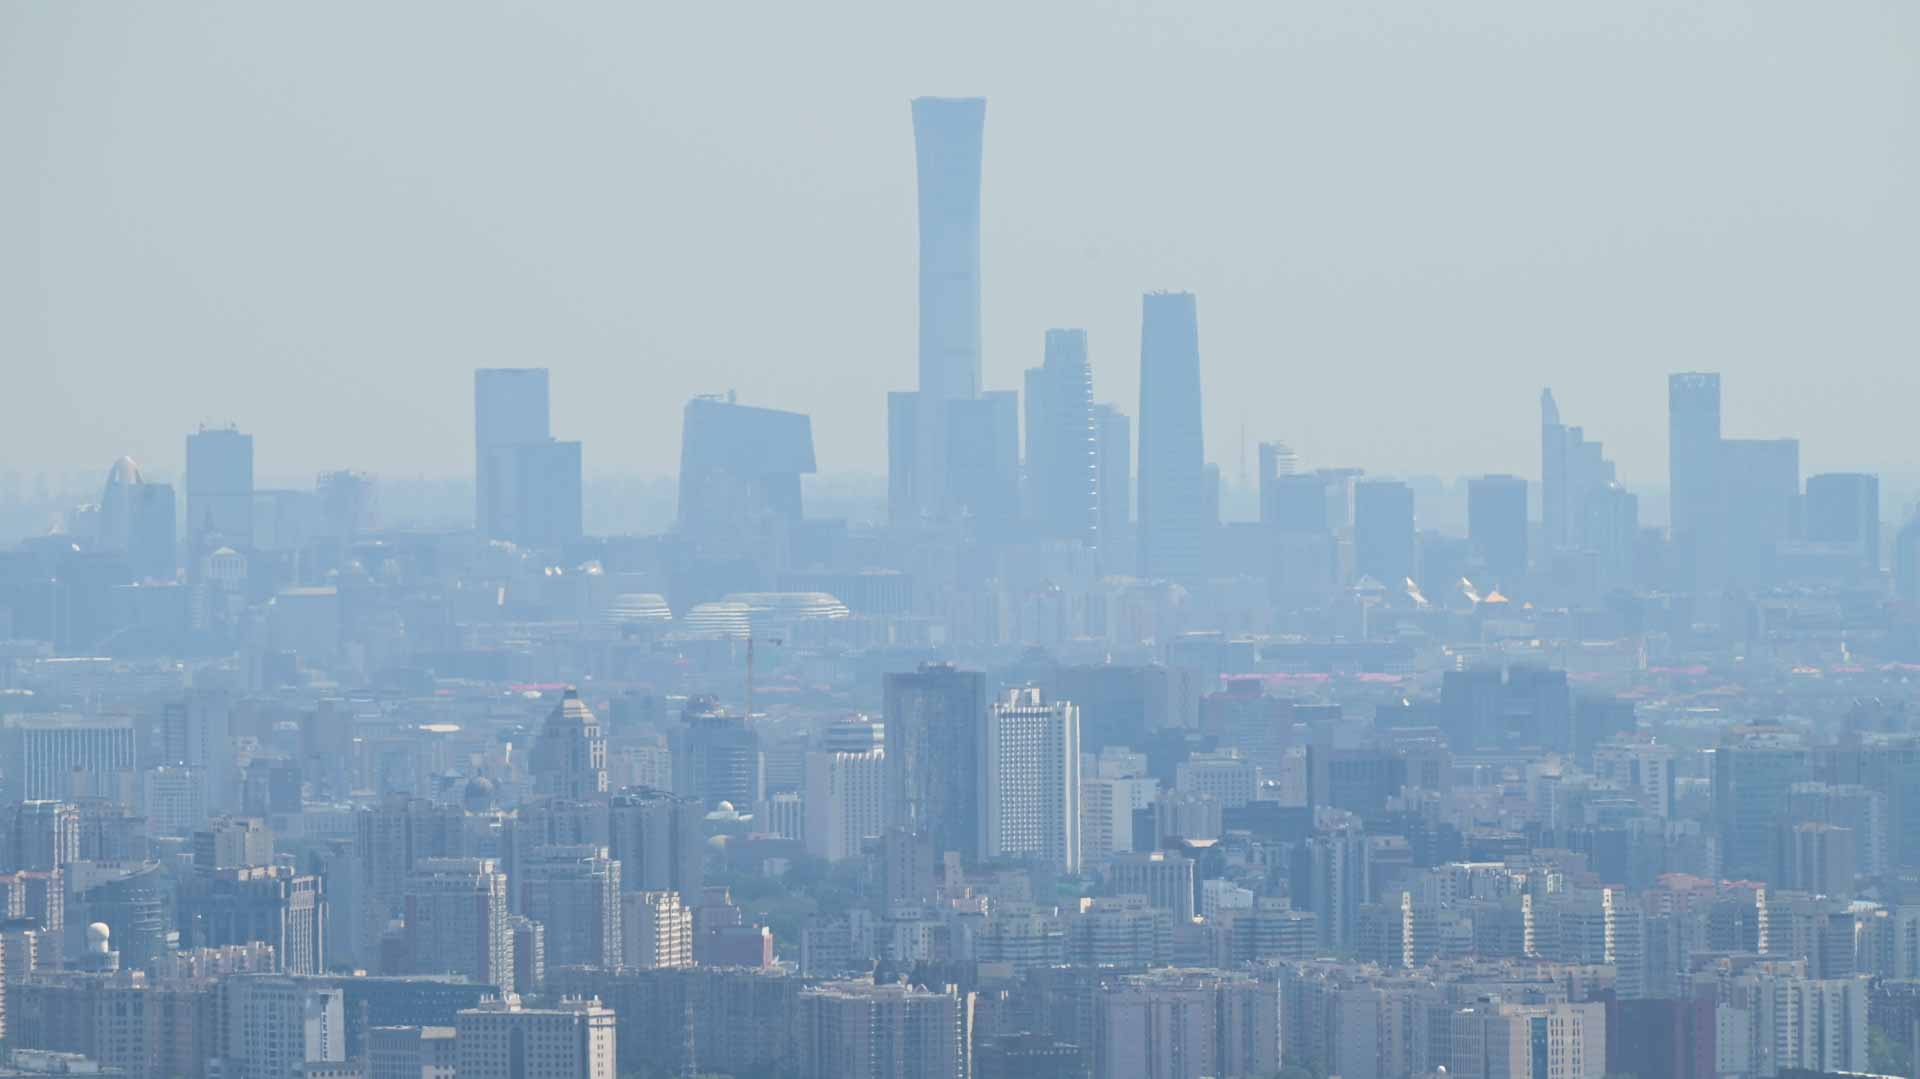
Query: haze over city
point(1400, 222)
point(1270, 541)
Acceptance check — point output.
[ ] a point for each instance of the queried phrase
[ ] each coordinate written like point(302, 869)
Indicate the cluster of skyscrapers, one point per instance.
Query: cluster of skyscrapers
point(1063, 764)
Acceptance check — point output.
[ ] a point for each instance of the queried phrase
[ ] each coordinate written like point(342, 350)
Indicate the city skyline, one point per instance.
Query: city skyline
point(609, 571)
point(1757, 313)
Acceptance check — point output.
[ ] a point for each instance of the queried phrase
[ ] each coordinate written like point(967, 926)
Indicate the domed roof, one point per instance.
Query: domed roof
point(635, 608)
point(790, 606)
point(718, 620)
point(478, 795)
point(124, 473)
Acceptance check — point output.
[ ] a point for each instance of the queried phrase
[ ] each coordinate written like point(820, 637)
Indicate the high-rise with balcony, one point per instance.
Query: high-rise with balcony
point(1173, 499)
point(1032, 781)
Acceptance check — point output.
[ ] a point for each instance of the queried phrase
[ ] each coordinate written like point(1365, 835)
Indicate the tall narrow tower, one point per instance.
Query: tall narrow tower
point(1173, 500)
point(1063, 452)
point(947, 137)
point(1695, 481)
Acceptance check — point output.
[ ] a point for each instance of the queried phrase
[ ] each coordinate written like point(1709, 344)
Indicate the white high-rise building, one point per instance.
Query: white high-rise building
point(1772, 1018)
point(656, 930)
point(1031, 782)
point(502, 1040)
point(845, 802)
point(1106, 813)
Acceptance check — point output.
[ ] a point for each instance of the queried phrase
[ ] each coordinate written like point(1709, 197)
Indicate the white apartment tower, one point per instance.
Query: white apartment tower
point(1031, 782)
point(845, 802)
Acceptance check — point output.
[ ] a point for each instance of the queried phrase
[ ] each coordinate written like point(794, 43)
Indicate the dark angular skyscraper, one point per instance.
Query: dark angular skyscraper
point(1497, 526)
point(1063, 454)
point(948, 136)
point(740, 470)
point(1694, 477)
point(936, 732)
point(1173, 496)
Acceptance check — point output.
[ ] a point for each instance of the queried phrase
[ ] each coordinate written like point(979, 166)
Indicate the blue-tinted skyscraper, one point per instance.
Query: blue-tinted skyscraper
point(1760, 481)
point(527, 485)
point(1497, 526)
point(219, 490)
point(1114, 488)
point(1694, 477)
point(1173, 496)
point(740, 470)
point(509, 409)
point(1383, 531)
point(1843, 508)
point(947, 138)
point(1063, 454)
point(936, 736)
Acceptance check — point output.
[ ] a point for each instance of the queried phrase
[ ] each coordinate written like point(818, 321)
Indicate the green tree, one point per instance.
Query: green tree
point(1886, 1056)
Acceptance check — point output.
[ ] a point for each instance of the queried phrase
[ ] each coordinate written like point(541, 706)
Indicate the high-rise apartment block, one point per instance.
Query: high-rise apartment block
point(1032, 780)
point(456, 919)
point(845, 802)
point(574, 891)
point(658, 839)
point(859, 1030)
point(501, 1039)
point(656, 930)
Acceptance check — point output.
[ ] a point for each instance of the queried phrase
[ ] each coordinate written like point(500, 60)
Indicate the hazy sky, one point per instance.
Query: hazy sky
point(1402, 218)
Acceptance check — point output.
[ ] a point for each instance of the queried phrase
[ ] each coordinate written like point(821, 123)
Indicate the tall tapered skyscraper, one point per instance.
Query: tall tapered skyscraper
point(1173, 499)
point(947, 138)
